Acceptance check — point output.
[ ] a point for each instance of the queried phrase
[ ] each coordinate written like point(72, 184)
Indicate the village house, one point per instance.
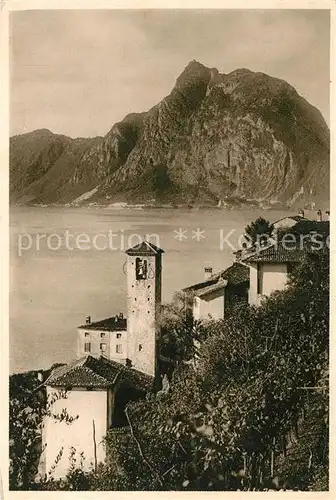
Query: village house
point(219, 292)
point(107, 337)
point(116, 363)
point(88, 397)
point(271, 263)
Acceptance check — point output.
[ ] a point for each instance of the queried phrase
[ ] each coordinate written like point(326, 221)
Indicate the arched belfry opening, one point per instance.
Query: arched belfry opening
point(140, 268)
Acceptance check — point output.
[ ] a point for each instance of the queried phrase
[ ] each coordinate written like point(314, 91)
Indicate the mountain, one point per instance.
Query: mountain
point(232, 138)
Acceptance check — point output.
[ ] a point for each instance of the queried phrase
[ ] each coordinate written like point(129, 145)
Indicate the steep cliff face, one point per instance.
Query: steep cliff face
point(231, 137)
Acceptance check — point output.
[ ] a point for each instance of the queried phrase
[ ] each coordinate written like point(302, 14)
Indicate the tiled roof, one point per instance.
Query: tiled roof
point(100, 373)
point(306, 226)
point(211, 288)
point(272, 254)
point(234, 275)
point(115, 323)
point(203, 284)
point(305, 237)
point(144, 248)
point(295, 218)
point(279, 253)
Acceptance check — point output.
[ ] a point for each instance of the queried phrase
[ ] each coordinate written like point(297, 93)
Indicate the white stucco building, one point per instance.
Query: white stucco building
point(213, 297)
point(269, 270)
point(270, 264)
point(107, 337)
point(85, 398)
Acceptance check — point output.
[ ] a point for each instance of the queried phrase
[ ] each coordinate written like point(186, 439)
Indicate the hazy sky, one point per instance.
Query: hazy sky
point(78, 72)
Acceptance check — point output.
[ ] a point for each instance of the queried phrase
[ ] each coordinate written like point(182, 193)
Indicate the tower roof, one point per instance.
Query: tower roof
point(144, 248)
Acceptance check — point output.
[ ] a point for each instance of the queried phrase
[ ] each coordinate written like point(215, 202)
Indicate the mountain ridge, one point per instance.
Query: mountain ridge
point(232, 138)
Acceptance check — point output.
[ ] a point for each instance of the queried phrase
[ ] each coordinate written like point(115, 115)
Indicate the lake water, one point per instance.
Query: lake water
point(56, 282)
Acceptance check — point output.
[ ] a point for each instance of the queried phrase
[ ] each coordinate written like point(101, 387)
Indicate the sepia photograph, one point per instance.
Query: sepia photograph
point(169, 212)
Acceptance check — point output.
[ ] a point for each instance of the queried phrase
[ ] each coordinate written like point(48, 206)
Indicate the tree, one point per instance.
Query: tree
point(26, 413)
point(180, 334)
point(258, 231)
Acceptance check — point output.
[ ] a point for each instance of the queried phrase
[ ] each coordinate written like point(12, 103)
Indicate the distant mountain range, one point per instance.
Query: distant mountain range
point(216, 139)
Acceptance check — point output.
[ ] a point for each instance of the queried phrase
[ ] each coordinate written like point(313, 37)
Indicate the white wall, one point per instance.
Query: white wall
point(253, 293)
point(97, 337)
point(210, 305)
point(91, 406)
point(118, 338)
point(273, 277)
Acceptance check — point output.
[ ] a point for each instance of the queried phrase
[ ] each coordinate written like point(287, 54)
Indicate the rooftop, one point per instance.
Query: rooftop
point(279, 253)
point(306, 236)
point(144, 248)
point(221, 283)
point(99, 373)
point(112, 324)
point(306, 226)
point(296, 218)
point(236, 274)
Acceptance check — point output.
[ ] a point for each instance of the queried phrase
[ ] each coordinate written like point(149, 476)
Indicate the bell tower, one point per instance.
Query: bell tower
point(143, 305)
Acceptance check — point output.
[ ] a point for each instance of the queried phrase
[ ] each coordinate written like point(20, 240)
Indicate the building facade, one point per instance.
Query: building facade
point(144, 267)
point(85, 399)
point(107, 337)
point(270, 264)
point(215, 297)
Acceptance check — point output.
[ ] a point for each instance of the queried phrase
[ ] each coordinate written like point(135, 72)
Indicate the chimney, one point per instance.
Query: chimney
point(301, 213)
point(121, 316)
point(319, 215)
point(207, 272)
point(88, 320)
point(40, 376)
point(327, 215)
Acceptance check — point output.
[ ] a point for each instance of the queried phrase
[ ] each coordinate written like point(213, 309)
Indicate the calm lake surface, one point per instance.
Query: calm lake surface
point(52, 289)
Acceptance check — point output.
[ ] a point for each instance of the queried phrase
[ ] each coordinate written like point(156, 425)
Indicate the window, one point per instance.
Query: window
point(140, 347)
point(118, 335)
point(259, 279)
point(87, 334)
point(102, 335)
point(103, 347)
point(140, 269)
point(119, 348)
point(87, 347)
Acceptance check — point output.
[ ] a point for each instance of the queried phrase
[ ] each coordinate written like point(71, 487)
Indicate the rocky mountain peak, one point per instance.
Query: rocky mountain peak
point(241, 137)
